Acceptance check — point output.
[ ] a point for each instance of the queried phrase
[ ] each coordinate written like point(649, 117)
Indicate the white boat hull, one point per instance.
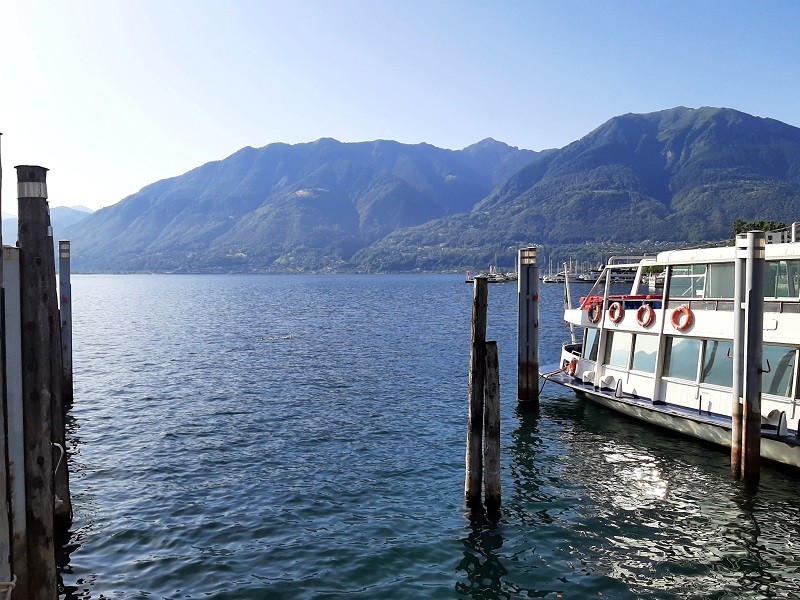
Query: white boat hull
point(707, 427)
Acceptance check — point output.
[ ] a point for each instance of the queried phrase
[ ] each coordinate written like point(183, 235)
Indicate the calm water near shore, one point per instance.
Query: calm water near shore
point(294, 437)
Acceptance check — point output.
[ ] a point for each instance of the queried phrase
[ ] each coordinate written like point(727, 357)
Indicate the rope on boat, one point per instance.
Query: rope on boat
point(546, 375)
point(6, 587)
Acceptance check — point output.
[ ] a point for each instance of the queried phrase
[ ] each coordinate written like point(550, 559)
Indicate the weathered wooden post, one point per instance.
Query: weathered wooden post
point(737, 409)
point(37, 379)
point(63, 503)
point(528, 326)
point(491, 430)
point(477, 377)
point(5, 525)
point(753, 355)
point(14, 408)
point(65, 293)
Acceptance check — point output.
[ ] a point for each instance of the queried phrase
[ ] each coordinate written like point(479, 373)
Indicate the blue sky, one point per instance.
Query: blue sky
point(112, 95)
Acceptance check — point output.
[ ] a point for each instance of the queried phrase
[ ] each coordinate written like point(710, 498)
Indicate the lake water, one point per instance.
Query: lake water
point(303, 437)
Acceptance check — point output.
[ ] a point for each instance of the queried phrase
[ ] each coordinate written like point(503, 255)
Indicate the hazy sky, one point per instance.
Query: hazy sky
point(112, 95)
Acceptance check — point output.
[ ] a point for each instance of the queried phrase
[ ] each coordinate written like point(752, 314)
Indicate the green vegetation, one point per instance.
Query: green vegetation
point(742, 226)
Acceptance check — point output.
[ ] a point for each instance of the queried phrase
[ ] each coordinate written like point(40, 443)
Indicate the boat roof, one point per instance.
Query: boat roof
point(779, 246)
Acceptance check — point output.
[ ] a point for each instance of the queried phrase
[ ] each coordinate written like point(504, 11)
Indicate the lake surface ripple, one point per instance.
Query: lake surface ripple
point(303, 437)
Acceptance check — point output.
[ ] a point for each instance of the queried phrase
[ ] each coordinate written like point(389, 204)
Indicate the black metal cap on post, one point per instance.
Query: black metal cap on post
point(31, 181)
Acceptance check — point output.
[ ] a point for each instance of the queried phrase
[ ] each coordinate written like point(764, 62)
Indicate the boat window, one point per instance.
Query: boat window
point(719, 280)
point(717, 366)
point(781, 370)
point(618, 348)
point(680, 358)
point(687, 281)
point(644, 353)
point(591, 340)
point(781, 279)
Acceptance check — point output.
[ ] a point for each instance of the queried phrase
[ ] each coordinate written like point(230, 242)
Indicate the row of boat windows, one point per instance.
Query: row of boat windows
point(716, 280)
point(699, 361)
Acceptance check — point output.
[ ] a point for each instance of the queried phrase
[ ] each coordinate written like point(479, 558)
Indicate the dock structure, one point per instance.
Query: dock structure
point(33, 457)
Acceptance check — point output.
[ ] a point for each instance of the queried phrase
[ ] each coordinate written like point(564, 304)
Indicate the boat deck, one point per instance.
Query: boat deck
point(557, 375)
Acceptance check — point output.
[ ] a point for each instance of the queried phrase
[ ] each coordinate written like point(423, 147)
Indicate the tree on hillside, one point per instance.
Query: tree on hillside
point(742, 226)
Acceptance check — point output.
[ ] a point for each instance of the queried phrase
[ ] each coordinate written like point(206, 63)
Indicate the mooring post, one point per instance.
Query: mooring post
point(16, 431)
point(753, 355)
point(491, 429)
point(477, 378)
point(5, 525)
point(737, 409)
point(63, 502)
point(528, 326)
point(65, 294)
point(37, 380)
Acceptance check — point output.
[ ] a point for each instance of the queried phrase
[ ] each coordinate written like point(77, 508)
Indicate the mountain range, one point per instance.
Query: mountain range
point(61, 217)
point(671, 177)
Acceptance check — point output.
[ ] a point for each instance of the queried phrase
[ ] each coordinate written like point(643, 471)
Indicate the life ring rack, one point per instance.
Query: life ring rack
point(645, 315)
point(682, 318)
point(616, 312)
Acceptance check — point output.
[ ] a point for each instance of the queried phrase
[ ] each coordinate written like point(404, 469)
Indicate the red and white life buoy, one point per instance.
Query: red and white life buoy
point(645, 316)
point(616, 312)
point(682, 318)
point(573, 366)
point(595, 312)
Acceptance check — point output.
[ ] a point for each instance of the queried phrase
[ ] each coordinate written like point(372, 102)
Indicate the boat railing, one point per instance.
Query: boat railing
point(628, 300)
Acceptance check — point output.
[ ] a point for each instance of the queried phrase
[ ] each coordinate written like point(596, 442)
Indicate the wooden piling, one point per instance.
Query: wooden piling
point(65, 295)
point(15, 420)
point(5, 524)
point(63, 504)
point(477, 376)
point(491, 430)
point(753, 355)
point(37, 379)
point(528, 326)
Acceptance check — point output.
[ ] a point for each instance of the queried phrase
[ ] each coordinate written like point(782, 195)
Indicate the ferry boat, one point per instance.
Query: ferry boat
point(663, 356)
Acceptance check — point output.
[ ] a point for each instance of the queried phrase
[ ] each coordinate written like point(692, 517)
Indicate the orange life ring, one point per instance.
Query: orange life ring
point(682, 318)
point(616, 312)
point(573, 366)
point(594, 312)
point(645, 316)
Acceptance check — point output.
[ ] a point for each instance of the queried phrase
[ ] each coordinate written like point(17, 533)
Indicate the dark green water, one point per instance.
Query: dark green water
point(303, 437)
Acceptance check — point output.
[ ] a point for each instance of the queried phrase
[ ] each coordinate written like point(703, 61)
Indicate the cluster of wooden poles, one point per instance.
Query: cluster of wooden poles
point(36, 386)
point(483, 428)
